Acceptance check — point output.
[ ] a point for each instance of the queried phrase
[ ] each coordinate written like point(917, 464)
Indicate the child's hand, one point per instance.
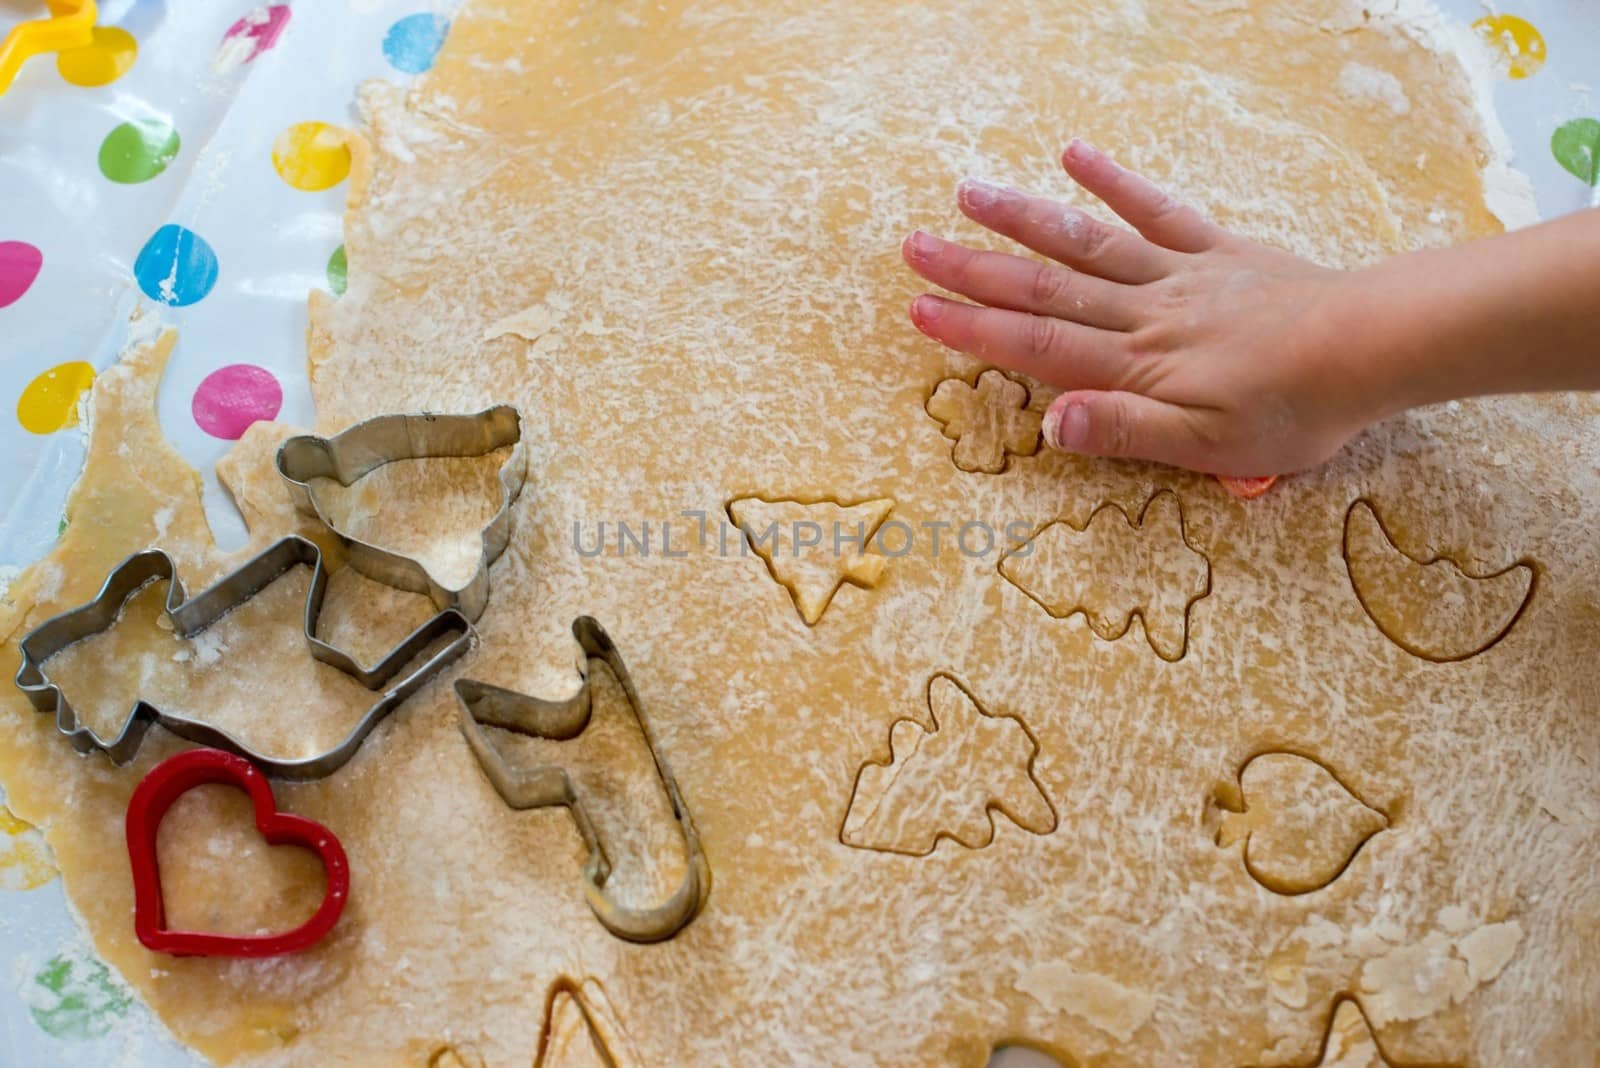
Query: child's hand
point(1183, 343)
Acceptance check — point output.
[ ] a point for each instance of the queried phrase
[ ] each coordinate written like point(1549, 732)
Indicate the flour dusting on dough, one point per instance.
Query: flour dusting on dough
point(720, 189)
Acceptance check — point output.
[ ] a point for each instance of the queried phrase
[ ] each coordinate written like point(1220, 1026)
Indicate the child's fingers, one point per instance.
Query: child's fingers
point(1128, 425)
point(1064, 233)
point(1052, 350)
point(1144, 205)
point(1001, 280)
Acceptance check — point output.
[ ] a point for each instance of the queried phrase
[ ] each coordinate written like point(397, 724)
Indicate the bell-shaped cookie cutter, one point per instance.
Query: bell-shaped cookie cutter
point(191, 616)
point(542, 785)
point(363, 448)
point(70, 25)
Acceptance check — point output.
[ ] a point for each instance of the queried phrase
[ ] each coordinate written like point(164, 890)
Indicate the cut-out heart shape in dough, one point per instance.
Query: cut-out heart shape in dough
point(173, 778)
point(1432, 608)
point(1300, 825)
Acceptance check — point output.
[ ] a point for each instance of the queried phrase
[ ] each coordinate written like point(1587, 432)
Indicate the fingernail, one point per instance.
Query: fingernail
point(923, 246)
point(928, 309)
point(1080, 151)
point(982, 193)
point(1066, 426)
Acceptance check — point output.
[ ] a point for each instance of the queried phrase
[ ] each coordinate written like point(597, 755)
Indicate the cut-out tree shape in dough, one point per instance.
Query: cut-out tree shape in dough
point(581, 1030)
point(812, 547)
point(455, 1057)
point(1350, 1042)
point(948, 782)
point(1300, 825)
point(1115, 569)
point(1431, 608)
point(989, 422)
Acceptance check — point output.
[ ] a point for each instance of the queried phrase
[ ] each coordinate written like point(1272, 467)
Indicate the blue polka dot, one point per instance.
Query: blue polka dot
point(176, 266)
point(412, 43)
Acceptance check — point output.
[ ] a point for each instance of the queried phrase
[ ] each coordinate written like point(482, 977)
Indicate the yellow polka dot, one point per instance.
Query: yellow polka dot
point(312, 156)
point(25, 862)
point(50, 402)
point(1519, 43)
point(102, 61)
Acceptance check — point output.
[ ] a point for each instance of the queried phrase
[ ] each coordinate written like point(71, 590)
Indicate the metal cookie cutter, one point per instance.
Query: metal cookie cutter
point(349, 455)
point(70, 25)
point(541, 785)
point(190, 617)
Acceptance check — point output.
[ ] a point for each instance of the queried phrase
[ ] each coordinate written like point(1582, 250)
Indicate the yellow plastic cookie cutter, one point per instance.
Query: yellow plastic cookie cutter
point(70, 25)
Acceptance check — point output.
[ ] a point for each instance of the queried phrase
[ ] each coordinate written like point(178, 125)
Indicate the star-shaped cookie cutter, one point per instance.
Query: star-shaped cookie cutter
point(363, 448)
point(193, 615)
point(542, 785)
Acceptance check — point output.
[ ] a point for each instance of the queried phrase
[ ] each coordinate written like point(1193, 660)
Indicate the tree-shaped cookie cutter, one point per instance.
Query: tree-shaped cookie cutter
point(70, 25)
point(191, 616)
point(543, 785)
point(363, 448)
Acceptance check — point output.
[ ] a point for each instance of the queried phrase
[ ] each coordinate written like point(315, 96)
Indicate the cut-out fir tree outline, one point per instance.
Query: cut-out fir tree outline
point(1343, 1005)
point(1110, 630)
point(595, 1015)
point(899, 758)
point(862, 570)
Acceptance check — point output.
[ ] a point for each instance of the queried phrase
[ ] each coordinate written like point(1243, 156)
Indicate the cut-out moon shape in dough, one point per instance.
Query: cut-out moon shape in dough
point(1432, 608)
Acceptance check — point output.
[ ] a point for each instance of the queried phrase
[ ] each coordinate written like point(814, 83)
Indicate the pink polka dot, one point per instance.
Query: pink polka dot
point(252, 35)
point(233, 397)
point(19, 266)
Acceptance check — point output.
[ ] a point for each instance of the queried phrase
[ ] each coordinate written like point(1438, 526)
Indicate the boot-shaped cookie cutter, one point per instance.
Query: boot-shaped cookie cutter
point(190, 617)
point(365, 447)
point(542, 785)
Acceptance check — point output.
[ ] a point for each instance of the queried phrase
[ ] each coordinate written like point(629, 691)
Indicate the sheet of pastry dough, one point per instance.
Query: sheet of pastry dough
point(668, 231)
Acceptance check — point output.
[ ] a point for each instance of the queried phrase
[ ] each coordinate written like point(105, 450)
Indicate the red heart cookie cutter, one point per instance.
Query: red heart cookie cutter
point(173, 778)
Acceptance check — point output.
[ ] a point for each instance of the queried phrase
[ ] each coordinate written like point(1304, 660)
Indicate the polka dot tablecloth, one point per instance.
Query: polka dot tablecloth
point(191, 161)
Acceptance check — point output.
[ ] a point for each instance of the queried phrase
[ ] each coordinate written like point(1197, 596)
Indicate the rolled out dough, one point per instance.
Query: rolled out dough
point(668, 232)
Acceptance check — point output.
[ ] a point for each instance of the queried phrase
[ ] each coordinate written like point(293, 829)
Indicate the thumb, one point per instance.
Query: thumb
point(1125, 425)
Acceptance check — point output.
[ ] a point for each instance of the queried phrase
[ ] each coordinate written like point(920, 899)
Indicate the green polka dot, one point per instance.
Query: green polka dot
point(61, 527)
point(75, 997)
point(138, 151)
point(1576, 145)
point(338, 272)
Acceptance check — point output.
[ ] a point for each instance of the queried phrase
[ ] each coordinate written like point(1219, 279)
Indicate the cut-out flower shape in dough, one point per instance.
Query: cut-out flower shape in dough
point(989, 422)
